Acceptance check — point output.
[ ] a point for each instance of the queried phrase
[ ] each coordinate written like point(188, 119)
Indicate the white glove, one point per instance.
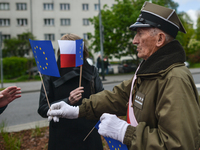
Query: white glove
point(113, 127)
point(62, 110)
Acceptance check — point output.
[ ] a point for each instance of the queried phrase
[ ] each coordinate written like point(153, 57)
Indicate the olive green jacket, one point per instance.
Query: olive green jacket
point(168, 116)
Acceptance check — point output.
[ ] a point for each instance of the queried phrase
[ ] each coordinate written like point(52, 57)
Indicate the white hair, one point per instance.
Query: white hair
point(155, 31)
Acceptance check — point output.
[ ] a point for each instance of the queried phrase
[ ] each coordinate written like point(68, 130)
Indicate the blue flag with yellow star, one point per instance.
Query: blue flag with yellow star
point(79, 52)
point(44, 57)
point(112, 143)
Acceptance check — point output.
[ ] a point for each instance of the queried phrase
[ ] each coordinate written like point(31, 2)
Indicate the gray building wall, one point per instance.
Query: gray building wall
point(35, 15)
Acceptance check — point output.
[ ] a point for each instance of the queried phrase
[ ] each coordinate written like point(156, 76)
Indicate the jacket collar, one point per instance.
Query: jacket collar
point(169, 54)
point(87, 73)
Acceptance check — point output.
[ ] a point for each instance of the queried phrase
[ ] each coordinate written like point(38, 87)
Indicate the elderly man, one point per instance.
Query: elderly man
point(163, 110)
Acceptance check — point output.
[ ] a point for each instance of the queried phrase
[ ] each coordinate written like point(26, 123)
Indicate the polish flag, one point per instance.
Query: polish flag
point(71, 53)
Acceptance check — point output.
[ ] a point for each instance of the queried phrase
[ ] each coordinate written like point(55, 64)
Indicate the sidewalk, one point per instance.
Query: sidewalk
point(34, 86)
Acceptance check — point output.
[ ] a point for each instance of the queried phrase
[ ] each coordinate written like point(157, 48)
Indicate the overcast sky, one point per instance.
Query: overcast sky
point(192, 7)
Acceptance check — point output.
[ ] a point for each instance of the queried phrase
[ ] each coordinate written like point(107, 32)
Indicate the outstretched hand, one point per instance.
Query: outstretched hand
point(75, 95)
point(9, 94)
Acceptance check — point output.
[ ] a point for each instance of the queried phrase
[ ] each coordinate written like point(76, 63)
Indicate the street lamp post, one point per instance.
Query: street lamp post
point(101, 43)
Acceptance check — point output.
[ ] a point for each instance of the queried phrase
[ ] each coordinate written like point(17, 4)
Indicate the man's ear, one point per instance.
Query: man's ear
point(161, 39)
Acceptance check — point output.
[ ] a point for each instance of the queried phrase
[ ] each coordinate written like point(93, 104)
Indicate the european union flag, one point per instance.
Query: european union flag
point(44, 57)
point(79, 52)
point(113, 144)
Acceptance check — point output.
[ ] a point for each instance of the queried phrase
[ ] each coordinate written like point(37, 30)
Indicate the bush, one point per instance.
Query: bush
point(14, 67)
point(194, 58)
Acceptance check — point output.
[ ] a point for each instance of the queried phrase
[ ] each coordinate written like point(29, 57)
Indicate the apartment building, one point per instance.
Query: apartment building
point(48, 19)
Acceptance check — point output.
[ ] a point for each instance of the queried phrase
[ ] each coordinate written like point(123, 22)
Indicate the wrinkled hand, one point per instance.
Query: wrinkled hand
point(76, 95)
point(62, 110)
point(113, 127)
point(9, 94)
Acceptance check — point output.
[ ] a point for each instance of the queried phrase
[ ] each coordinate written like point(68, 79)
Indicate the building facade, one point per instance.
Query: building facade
point(48, 19)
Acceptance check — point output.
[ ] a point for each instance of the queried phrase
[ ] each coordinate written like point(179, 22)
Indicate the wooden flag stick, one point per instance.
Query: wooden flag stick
point(44, 89)
point(88, 133)
point(80, 76)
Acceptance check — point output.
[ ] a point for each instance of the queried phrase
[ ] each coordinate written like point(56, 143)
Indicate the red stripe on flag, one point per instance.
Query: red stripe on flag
point(67, 60)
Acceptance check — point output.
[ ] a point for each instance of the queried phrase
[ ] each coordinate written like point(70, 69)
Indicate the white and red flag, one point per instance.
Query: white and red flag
point(71, 53)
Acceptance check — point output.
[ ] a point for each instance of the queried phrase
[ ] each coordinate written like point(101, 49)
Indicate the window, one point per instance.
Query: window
point(48, 22)
point(85, 36)
point(49, 37)
point(21, 6)
point(86, 22)
point(22, 22)
point(62, 34)
point(5, 36)
point(65, 22)
point(96, 7)
point(4, 6)
point(64, 6)
point(85, 6)
point(48, 6)
point(4, 22)
point(22, 37)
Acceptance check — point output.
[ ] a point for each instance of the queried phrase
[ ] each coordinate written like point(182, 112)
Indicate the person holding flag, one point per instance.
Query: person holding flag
point(161, 100)
point(67, 133)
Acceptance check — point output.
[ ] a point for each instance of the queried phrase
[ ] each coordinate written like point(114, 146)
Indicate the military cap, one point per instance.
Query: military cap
point(153, 15)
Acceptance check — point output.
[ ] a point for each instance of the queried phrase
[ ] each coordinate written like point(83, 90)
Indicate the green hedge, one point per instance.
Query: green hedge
point(14, 67)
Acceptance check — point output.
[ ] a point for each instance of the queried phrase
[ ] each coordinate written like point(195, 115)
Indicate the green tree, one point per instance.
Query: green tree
point(17, 46)
point(116, 21)
point(184, 39)
point(198, 28)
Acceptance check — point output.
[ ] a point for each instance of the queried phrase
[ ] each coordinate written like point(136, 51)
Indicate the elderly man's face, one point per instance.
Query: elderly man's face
point(145, 42)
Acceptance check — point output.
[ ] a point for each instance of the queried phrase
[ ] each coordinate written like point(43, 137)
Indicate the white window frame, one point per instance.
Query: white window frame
point(85, 22)
point(4, 22)
point(65, 22)
point(22, 22)
point(21, 6)
point(4, 6)
point(49, 36)
point(48, 6)
point(49, 22)
point(85, 7)
point(85, 36)
point(64, 6)
point(96, 7)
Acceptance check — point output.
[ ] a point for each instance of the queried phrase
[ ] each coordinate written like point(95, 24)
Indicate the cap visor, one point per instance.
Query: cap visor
point(138, 25)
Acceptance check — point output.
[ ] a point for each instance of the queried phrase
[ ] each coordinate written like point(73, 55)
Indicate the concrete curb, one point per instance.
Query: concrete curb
point(26, 126)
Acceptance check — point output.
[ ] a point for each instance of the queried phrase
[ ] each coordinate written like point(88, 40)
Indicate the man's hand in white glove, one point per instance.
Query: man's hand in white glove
point(113, 127)
point(62, 110)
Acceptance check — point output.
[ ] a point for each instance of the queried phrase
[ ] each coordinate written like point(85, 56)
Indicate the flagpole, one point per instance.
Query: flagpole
point(80, 76)
point(44, 89)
